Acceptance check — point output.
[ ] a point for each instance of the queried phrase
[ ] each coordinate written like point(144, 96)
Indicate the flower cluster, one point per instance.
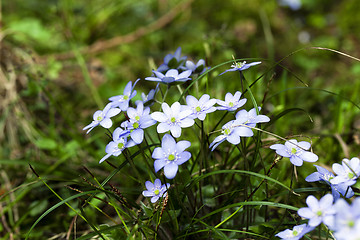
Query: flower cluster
point(340, 217)
point(240, 127)
point(175, 70)
point(170, 152)
point(347, 173)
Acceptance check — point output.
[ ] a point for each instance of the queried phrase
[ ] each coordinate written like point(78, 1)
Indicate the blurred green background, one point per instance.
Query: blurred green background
point(62, 59)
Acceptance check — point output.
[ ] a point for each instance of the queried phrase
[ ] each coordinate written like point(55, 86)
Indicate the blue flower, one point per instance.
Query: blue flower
point(170, 155)
point(200, 107)
point(148, 100)
point(348, 172)
point(173, 119)
point(231, 132)
point(240, 67)
point(295, 234)
point(251, 118)
point(122, 101)
point(324, 175)
point(155, 190)
point(318, 211)
point(198, 68)
point(296, 151)
point(172, 61)
point(347, 220)
point(231, 102)
point(139, 119)
point(118, 144)
point(171, 77)
point(102, 118)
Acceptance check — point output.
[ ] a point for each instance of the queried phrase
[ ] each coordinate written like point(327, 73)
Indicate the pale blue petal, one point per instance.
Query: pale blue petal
point(304, 145)
point(312, 202)
point(261, 119)
point(183, 114)
point(137, 135)
point(185, 74)
point(159, 116)
point(159, 164)
point(148, 193)
point(184, 157)
point(168, 142)
point(172, 73)
point(175, 108)
point(296, 160)
point(153, 79)
point(315, 221)
point(149, 186)
point(106, 123)
point(175, 130)
point(314, 177)
point(128, 88)
point(309, 156)
point(326, 202)
point(157, 183)
point(113, 112)
point(191, 101)
point(166, 109)
point(158, 153)
point(305, 212)
point(233, 139)
point(338, 169)
point(243, 131)
point(170, 170)
point(163, 127)
point(105, 157)
point(187, 122)
point(154, 199)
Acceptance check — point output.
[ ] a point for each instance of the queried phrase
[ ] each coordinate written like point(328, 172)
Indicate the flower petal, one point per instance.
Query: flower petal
point(106, 123)
point(149, 186)
point(296, 160)
point(159, 164)
point(170, 170)
point(309, 156)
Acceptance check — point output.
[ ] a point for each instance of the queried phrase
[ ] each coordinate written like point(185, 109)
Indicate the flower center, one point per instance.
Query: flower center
point(351, 223)
point(293, 150)
point(238, 65)
point(135, 125)
point(319, 213)
point(171, 157)
point(227, 131)
point(173, 119)
point(121, 145)
point(126, 97)
point(198, 109)
point(137, 118)
point(99, 118)
point(157, 191)
point(231, 104)
point(350, 175)
point(295, 233)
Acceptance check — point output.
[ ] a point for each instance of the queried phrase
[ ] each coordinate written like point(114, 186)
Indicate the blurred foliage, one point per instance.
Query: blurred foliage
point(57, 61)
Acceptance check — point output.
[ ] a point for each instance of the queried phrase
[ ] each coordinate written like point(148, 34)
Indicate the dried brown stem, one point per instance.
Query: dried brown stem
point(103, 45)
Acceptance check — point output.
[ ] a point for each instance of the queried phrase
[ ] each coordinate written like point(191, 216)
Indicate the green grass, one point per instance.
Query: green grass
point(46, 99)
